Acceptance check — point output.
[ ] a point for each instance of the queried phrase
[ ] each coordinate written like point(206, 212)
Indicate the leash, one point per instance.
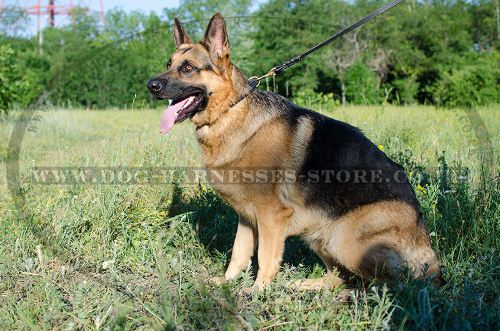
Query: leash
point(253, 82)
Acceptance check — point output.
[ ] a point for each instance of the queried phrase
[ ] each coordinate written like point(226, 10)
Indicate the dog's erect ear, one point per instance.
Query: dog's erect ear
point(180, 36)
point(216, 36)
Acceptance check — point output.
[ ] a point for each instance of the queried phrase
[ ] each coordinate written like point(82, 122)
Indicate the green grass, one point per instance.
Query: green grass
point(141, 256)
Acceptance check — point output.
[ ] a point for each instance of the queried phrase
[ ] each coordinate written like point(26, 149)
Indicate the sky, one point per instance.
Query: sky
point(128, 5)
point(144, 5)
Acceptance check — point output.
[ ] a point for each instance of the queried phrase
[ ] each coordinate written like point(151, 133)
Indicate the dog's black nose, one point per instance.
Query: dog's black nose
point(154, 85)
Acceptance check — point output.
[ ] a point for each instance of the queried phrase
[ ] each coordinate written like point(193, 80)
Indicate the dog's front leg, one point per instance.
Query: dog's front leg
point(243, 248)
point(271, 225)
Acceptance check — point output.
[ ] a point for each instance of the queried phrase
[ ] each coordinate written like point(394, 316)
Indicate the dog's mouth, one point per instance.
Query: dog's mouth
point(180, 109)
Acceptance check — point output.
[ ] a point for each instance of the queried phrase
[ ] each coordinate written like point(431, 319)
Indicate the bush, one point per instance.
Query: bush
point(319, 101)
point(405, 90)
point(470, 85)
point(12, 85)
point(361, 85)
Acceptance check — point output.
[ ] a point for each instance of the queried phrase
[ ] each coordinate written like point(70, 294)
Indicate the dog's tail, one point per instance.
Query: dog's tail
point(422, 259)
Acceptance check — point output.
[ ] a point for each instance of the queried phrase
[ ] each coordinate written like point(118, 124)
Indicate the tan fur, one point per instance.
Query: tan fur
point(373, 241)
point(243, 248)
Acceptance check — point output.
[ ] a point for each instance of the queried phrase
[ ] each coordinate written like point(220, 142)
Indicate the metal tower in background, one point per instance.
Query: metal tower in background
point(50, 9)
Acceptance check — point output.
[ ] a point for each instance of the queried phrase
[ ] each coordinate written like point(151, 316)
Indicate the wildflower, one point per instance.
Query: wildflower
point(381, 147)
point(421, 189)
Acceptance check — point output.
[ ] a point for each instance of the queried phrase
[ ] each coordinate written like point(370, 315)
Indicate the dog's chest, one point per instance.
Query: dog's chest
point(241, 197)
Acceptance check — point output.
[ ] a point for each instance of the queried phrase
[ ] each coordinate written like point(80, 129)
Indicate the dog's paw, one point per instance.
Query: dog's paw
point(252, 290)
point(249, 290)
point(218, 281)
point(345, 296)
point(306, 285)
point(325, 282)
point(256, 288)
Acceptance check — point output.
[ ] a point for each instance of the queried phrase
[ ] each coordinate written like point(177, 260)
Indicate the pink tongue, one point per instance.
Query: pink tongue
point(170, 115)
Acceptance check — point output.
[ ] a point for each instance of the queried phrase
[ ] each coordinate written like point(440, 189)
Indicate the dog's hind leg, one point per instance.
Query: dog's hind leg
point(378, 241)
point(330, 280)
point(420, 256)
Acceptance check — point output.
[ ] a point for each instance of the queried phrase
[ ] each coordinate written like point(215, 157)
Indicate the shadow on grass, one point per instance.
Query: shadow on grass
point(215, 224)
point(459, 215)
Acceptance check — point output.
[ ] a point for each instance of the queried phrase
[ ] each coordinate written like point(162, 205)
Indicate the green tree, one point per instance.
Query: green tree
point(436, 51)
point(12, 86)
point(486, 24)
point(195, 15)
point(476, 83)
point(13, 21)
point(361, 87)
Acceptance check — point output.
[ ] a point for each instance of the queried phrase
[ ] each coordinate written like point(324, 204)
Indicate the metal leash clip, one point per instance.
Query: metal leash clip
point(254, 81)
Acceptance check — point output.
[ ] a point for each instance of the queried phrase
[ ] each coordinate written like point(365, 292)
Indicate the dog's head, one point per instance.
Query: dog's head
point(198, 79)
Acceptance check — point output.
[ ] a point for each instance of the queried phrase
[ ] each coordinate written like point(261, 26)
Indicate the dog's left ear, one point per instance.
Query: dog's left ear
point(216, 36)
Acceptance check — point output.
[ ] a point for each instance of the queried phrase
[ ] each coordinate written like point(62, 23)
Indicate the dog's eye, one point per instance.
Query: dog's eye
point(169, 63)
point(186, 67)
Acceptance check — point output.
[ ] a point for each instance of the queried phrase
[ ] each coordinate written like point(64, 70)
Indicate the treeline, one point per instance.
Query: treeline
point(442, 52)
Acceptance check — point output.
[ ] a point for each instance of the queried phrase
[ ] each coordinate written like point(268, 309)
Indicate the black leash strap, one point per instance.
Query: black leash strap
point(254, 81)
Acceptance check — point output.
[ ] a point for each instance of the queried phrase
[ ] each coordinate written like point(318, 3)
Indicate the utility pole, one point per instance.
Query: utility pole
point(103, 20)
point(38, 29)
point(498, 20)
point(52, 13)
point(71, 13)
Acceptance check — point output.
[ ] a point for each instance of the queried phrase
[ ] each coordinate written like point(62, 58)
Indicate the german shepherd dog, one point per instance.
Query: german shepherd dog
point(364, 219)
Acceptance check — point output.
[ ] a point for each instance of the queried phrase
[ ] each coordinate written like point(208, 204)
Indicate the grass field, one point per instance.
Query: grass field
point(141, 256)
